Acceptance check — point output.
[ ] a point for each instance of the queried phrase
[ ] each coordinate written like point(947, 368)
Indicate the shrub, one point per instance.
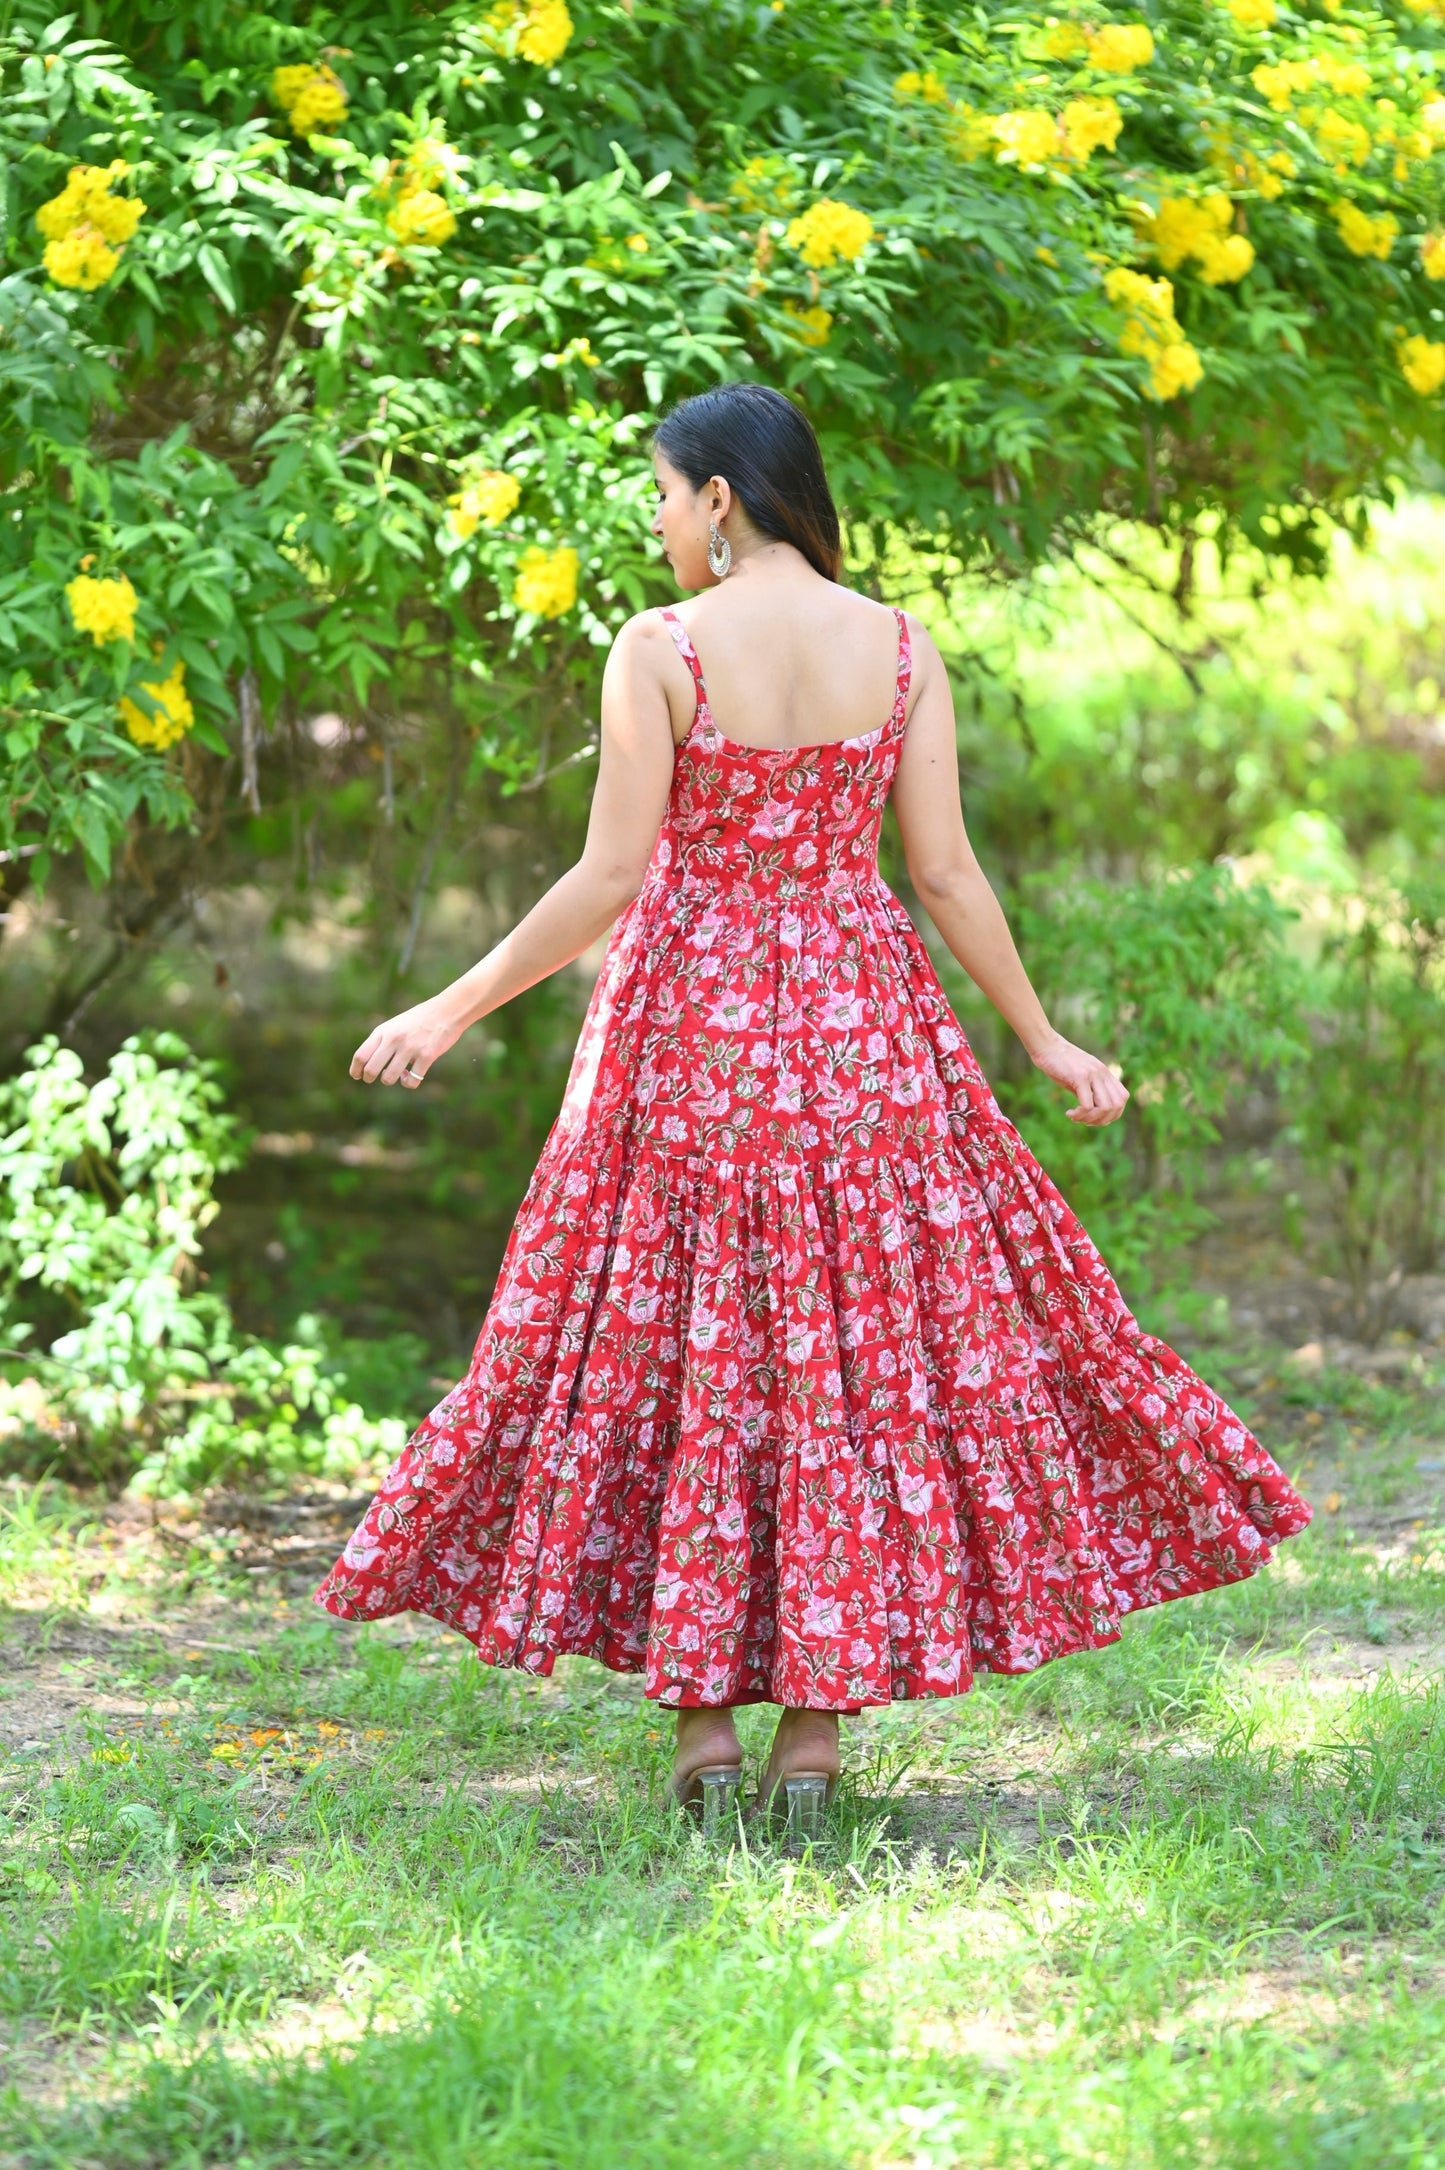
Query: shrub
point(1371, 1124)
point(1188, 984)
point(139, 1371)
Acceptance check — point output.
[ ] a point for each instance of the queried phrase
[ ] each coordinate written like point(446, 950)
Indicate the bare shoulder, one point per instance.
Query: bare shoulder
point(643, 634)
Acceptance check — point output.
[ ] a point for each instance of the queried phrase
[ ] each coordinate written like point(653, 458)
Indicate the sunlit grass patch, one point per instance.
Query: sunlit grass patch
point(289, 1893)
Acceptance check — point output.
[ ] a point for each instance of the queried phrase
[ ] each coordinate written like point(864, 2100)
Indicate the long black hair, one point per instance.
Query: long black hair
point(764, 446)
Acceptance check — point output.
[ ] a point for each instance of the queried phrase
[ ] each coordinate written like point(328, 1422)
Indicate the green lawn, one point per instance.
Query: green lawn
point(280, 1892)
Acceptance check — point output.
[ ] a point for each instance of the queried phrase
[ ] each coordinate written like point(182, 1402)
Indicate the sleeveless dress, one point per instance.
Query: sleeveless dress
point(800, 1382)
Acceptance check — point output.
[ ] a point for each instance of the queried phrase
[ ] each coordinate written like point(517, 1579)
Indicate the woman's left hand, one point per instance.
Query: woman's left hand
point(1101, 1096)
point(401, 1051)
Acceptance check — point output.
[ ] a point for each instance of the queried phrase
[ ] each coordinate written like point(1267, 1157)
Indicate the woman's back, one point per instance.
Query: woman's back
point(792, 663)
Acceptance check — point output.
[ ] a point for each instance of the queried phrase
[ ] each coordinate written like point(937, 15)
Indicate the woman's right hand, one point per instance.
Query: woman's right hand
point(1101, 1096)
point(401, 1051)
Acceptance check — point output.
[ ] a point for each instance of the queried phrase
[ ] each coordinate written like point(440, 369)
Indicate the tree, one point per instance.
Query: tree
point(330, 339)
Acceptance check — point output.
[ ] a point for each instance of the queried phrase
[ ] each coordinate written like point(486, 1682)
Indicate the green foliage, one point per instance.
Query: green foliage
point(260, 415)
point(1189, 985)
point(1372, 1123)
point(107, 1190)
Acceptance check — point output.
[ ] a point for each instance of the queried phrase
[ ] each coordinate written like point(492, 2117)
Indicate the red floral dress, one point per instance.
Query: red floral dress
point(800, 1382)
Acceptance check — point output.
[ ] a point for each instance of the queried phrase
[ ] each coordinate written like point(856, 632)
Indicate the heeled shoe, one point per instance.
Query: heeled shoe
point(711, 1794)
point(806, 1797)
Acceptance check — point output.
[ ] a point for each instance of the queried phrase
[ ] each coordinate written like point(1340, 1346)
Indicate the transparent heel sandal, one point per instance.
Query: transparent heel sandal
point(711, 1795)
point(798, 1804)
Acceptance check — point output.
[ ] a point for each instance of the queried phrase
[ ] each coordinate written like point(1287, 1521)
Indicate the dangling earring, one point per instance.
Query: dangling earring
point(719, 552)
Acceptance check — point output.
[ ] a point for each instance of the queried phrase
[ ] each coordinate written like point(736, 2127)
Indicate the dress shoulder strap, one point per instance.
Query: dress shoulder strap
point(682, 640)
point(905, 665)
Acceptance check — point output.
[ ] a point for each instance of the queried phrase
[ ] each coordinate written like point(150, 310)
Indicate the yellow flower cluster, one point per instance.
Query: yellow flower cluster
point(173, 715)
point(612, 255)
point(1244, 169)
point(969, 133)
point(1090, 124)
point(311, 96)
point(105, 609)
point(1120, 48)
point(546, 581)
point(1151, 332)
point(1422, 363)
point(1113, 48)
point(485, 499)
point(86, 227)
point(1432, 256)
point(1186, 229)
point(1341, 140)
point(1254, 14)
point(535, 30)
point(810, 326)
point(1029, 137)
point(929, 86)
point(421, 215)
point(830, 232)
point(764, 185)
point(1033, 136)
point(421, 212)
point(1362, 234)
point(1279, 82)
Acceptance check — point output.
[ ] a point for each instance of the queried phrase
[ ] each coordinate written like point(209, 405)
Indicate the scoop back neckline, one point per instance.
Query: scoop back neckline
point(702, 706)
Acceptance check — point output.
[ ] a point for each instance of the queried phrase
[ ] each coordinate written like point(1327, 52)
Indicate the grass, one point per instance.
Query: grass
point(284, 1893)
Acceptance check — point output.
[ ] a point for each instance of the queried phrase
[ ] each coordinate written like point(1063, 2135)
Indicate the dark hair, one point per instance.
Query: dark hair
point(764, 446)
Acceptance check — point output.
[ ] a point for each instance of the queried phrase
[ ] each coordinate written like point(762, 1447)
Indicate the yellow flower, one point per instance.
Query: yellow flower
point(312, 96)
point(1341, 138)
point(1432, 118)
point(1090, 124)
point(1064, 41)
point(1346, 78)
point(173, 716)
point(484, 499)
point(1432, 256)
point(105, 609)
point(1173, 369)
point(764, 184)
point(1030, 137)
point(535, 30)
point(576, 350)
point(829, 232)
point(811, 326)
point(1362, 234)
point(1278, 84)
point(85, 227)
point(1422, 363)
point(1151, 332)
point(1254, 14)
point(1120, 48)
point(929, 86)
point(637, 243)
point(546, 581)
point(969, 132)
point(421, 215)
point(429, 164)
point(83, 259)
point(1226, 260)
point(1187, 227)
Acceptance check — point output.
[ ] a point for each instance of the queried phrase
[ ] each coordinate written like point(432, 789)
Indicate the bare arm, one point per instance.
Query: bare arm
point(955, 893)
point(634, 774)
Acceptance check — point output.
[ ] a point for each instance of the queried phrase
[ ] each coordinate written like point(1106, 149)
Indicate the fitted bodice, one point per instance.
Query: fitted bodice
point(782, 820)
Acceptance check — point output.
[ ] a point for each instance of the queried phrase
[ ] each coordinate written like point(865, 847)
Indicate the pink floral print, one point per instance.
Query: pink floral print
point(800, 1382)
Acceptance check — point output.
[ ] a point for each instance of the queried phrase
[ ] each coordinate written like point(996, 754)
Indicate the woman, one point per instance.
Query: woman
point(800, 1383)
